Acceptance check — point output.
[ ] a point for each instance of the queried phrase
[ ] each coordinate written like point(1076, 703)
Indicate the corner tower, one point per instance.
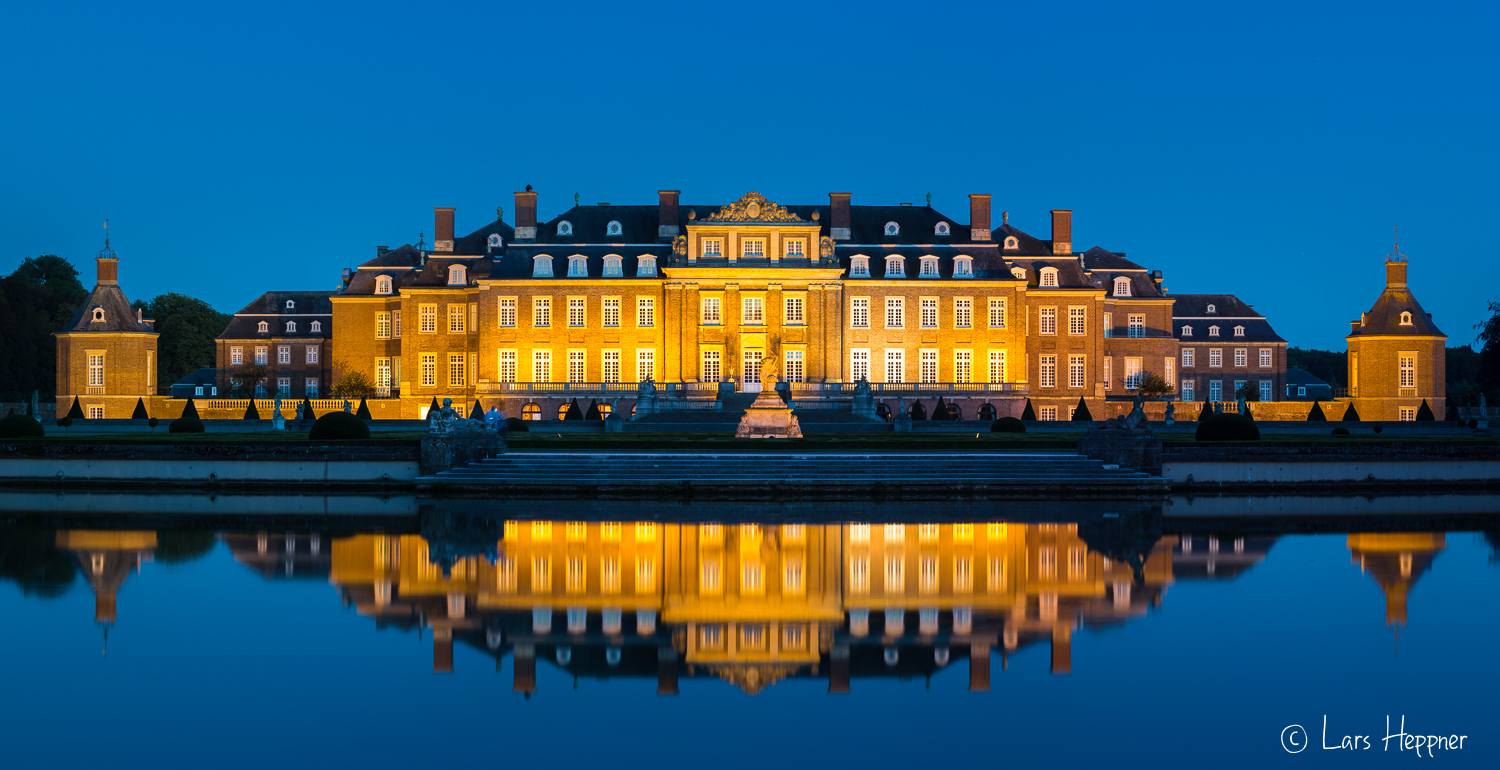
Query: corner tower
point(106, 355)
point(1396, 353)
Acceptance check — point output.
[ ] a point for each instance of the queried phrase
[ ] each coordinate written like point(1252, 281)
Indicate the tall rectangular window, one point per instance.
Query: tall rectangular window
point(1108, 372)
point(611, 311)
point(1132, 373)
point(576, 315)
point(859, 313)
point(1187, 357)
point(1137, 326)
point(396, 324)
point(456, 370)
point(311, 354)
point(507, 312)
point(713, 366)
point(260, 354)
point(895, 365)
point(1215, 390)
point(506, 371)
point(929, 313)
point(929, 367)
point(963, 313)
point(429, 370)
point(1075, 371)
point(963, 366)
point(236, 356)
point(997, 366)
point(283, 354)
point(382, 372)
point(1077, 321)
point(1408, 370)
point(541, 366)
point(473, 317)
point(284, 387)
point(1240, 388)
point(1265, 357)
point(1048, 373)
point(712, 311)
point(428, 319)
point(1109, 325)
point(576, 368)
point(96, 370)
point(859, 365)
point(794, 311)
point(310, 387)
point(793, 370)
point(754, 310)
point(1187, 391)
point(382, 326)
point(611, 360)
point(997, 313)
point(1048, 316)
point(541, 312)
point(1241, 357)
point(1166, 370)
point(645, 312)
point(645, 365)
point(1215, 357)
point(1265, 390)
point(895, 312)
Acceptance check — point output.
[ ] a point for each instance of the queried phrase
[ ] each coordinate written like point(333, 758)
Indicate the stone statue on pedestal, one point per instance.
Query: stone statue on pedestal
point(1171, 412)
point(278, 421)
point(348, 407)
point(36, 406)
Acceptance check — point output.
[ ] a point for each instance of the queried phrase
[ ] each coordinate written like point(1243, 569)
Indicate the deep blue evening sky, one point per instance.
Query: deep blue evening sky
point(1263, 149)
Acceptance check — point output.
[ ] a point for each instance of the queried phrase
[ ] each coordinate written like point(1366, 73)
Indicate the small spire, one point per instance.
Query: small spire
point(1396, 255)
point(107, 252)
point(1005, 217)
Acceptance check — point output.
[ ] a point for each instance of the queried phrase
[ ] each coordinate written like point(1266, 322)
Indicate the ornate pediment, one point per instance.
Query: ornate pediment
point(753, 208)
point(751, 677)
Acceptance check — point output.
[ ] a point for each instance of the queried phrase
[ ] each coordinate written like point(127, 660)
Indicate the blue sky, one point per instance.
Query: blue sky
point(1263, 149)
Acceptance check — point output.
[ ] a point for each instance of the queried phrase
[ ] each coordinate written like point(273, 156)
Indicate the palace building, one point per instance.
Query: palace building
point(106, 355)
point(1397, 355)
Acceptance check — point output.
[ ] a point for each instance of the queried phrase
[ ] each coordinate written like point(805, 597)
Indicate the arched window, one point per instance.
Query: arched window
point(316, 326)
point(987, 412)
point(963, 267)
point(382, 284)
point(1211, 309)
point(1019, 273)
point(1239, 331)
point(891, 228)
point(1187, 331)
point(895, 267)
point(263, 327)
point(541, 266)
point(456, 276)
point(1012, 243)
point(564, 228)
point(612, 267)
point(942, 229)
point(291, 327)
point(859, 267)
point(645, 267)
point(562, 411)
point(1048, 277)
point(495, 241)
point(531, 412)
point(99, 314)
point(578, 267)
point(1406, 318)
point(1122, 287)
point(290, 305)
point(1213, 331)
point(614, 228)
point(929, 267)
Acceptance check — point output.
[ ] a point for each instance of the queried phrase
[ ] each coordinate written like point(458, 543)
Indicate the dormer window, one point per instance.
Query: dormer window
point(263, 327)
point(1213, 331)
point(565, 227)
point(495, 241)
point(1239, 331)
point(929, 267)
point(1187, 331)
point(541, 266)
point(456, 276)
point(614, 228)
point(1048, 277)
point(578, 267)
point(1211, 309)
point(895, 267)
point(290, 305)
point(1019, 273)
point(1012, 243)
point(1405, 318)
point(891, 228)
point(383, 284)
point(963, 267)
point(612, 267)
point(98, 314)
point(645, 267)
point(942, 228)
point(1122, 287)
point(291, 327)
point(859, 267)
point(315, 326)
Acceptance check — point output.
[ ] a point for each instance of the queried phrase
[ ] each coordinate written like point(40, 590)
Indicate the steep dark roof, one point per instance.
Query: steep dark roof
point(205, 376)
point(1230, 311)
point(1225, 306)
point(271, 308)
point(638, 224)
point(1069, 274)
point(119, 316)
point(987, 263)
point(1302, 377)
point(1101, 259)
point(1385, 317)
point(1026, 244)
point(1105, 267)
point(477, 242)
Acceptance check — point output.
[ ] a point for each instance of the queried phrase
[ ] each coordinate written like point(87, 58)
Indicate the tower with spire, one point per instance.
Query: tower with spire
point(106, 355)
point(1397, 354)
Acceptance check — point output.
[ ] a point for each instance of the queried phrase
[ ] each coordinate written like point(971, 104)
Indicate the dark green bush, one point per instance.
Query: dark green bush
point(1452, 414)
point(1379, 428)
point(153, 422)
point(186, 424)
point(140, 410)
point(1424, 412)
point(1081, 414)
point(1026, 414)
point(21, 426)
point(1206, 410)
point(251, 413)
point(1340, 432)
point(363, 412)
point(76, 410)
point(334, 426)
point(516, 424)
point(1227, 427)
point(477, 413)
point(1316, 414)
point(190, 410)
point(1008, 425)
point(1351, 414)
point(574, 413)
point(593, 412)
point(67, 421)
point(1473, 423)
point(305, 412)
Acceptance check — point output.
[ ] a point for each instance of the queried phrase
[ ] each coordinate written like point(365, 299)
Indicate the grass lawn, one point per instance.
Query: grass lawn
point(818, 442)
point(260, 438)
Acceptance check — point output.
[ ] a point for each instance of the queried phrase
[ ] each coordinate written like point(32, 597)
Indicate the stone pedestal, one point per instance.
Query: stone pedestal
point(454, 442)
point(614, 423)
point(1137, 449)
point(901, 423)
point(768, 417)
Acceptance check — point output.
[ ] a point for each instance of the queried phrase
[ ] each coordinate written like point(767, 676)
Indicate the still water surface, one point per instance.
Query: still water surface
point(888, 635)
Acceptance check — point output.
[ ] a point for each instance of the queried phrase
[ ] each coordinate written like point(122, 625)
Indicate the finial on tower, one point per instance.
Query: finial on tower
point(107, 252)
point(1005, 217)
point(1396, 255)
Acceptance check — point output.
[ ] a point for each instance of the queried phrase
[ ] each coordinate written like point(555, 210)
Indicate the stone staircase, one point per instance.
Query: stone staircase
point(574, 474)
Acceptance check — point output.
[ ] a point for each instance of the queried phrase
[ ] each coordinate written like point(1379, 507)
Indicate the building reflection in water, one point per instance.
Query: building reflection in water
point(107, 559)
point(1396, 560)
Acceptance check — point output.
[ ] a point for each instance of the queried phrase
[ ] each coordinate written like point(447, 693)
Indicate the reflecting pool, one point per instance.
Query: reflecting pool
point(178, 630)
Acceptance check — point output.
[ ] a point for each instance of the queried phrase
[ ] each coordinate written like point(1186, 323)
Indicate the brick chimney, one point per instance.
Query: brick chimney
point(979, 216)
point(1062, 231)
point(109, 271)
point(526, 215)
point(666, 671)
point(442, 239)
point(838, 221)
point(667, 227)
point(1062, 650)
point(1395, 275)
point(442, 650)
point(979, 668)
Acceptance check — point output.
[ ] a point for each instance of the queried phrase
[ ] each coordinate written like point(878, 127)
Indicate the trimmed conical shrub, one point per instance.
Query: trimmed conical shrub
point(251, 413)
point(1424, 412)
point(1208, 409)
point(363, 412)
point(940, 412)
point(1081, 414)
point(1028, 413)
point(191, 410)
point(434, 409)
point(306, 410)
point(593, 413)
point(477, 413)
point(1452, 415)
point(1351, 414)
point(140, 410)
point(574, 412)
point(76, 411)
point(1316, 413)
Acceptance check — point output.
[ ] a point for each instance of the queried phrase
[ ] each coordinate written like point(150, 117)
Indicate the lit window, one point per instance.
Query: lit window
point(754, 311)
point(565, 227)
point(963, 267)
point(1048, 371)
point(614, 228)
point(942, 228)
point(1048, 320)
point(794, 311)
point(963, 313)
point(541, 312)
point(1132, 373)
point(576, 314)
point(1049, 276)
point(712, 314)
point(1187, 331)
point(1241, 357)
point(576, 359)
point(1019, 273)
point(96, 369)
point(645, 267)
point(859, 365)
point(291, 327)
point(578, 267)
point(645, 312)
point(260, 354)
point(929, 267)
point(236, 356)
point(792, 367)
point(283, 354)
point(796, 247)
point(859, 313)
point(891, 228)
point(455, 319)
point(383, 285)
point(997, 314)
point(895, 267)
point(1239, 331)
point(1011, 243)
point(1408, 371)
point(541, 266)
point(963, 368)
point(1077, 321)
point(1137, 327)
point(263, 327)
point(382, 326)
point(1406, 319)
point(541, 367)
point(713, 247)
point(1122, 287)
point(928, 369)
point(895, 365)
point(645, 365)
point(507, 312)
point(611, 311)
point(754, 247)
point(456, 370)
point(1408, 414)
point(895, 312)
point(929, 313)
point(1187, 356)
point(456, 276)
point(1213, 331)
point(712, 366)
point(859, 267)
point(611, 360)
